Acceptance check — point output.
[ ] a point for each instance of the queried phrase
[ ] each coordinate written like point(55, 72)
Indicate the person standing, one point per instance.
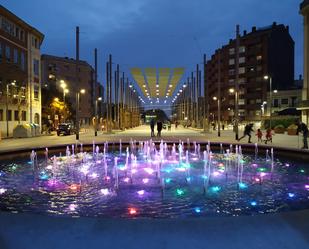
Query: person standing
point(159, 128)
point(302, 127)
point(152, 125)
point(259, 135)
point(247, 132)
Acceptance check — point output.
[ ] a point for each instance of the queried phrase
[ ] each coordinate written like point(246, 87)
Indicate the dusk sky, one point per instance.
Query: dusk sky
point(153, 33)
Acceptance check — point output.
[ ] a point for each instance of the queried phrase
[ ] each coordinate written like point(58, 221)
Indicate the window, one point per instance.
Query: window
point(24, 116)
point(8, 53)
point(258, 113)
point(22, 35)
point(231, 61)
point(232, 51)
point(8, 27)
point(22, 61)
point(259, 57)
point(9, 117)
point(258, 101)
point(241, 101)
point(242, 49)
point(231, 81)
point(242, 81)
point(284, 101)
point(15, 56)
point(231, 72)
point(16, 116)
point(242, 70)
point(17, 32)
point(36, 67)
point(1, 114)
point(36, 92)
point(251, 102)
point(276, 103)
point(242, 60)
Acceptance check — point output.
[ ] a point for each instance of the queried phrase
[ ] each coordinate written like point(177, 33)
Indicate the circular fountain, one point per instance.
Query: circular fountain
point(153, 180)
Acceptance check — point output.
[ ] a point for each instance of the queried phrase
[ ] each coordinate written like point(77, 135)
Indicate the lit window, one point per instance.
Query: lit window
point(242, 60)
point(242, 70)
point(242, 49)
point(259, 57)
point(231, 61)
point(232, 51)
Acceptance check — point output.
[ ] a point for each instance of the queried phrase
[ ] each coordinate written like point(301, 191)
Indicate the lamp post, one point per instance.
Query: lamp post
point(233, 91)
point(219, 114)
point(267, 77)
point(96, 116)
point(7, 107)
point(82, 91)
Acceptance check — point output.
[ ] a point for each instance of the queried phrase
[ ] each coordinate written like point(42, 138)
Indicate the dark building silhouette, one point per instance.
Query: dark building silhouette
point(263, 51)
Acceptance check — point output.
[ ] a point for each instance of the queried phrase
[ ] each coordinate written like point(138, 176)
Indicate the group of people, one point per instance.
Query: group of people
point(159, 127)
point(301, 128)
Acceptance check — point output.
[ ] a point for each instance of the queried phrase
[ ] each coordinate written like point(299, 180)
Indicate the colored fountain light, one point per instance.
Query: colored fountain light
point(180, 192)
point(132, 211)
point(242, 185)
point(105, 191)
point(94, 175)
point(2, 191)
point(307, 186)
point(149, 171)
point(72, 207)
point(215, 189)
point(253, 203)
point(127, 179)
point(216, 173)
point(291, 195)
point(141, 192)
point(168, 180)
point(145, 180)
point(74, 187)
point(197, 210)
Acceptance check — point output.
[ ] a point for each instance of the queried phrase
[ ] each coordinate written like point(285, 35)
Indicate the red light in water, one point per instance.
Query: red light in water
point(74, 187)
point(132, 211)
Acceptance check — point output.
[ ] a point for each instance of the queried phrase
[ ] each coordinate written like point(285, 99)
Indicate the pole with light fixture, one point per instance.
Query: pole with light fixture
point(267, 77)
point(82, 91)
point(96, 116)
point(7, 107)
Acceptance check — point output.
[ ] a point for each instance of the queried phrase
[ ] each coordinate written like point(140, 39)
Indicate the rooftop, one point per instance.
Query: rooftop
point(65, 59)
point(304, 4)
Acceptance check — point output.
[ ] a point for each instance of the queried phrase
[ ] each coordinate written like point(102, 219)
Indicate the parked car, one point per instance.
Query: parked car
point(65, 129)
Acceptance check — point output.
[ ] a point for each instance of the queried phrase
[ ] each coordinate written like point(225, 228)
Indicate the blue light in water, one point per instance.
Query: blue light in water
point(188, 179)
point(197, 210)
point(242, 185)
point(291, 195)
point(215, 189)
point(204, 177)
point(168, 180)
point(44, 176)
point(253, 203)
point(168, 170)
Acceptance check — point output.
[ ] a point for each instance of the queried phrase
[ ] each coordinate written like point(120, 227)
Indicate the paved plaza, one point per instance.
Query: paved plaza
point(142, 133)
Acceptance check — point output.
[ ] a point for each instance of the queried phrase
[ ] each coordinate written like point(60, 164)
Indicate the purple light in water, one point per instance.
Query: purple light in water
point(145, 180)
point(141, 192)
point(307, 186)
point(254, 165)
point(72, 207)
point(194, 159)
point(104, 191)
point(2, 191)
point(133, 171)
point(291, 195)
point(149, 171)
point(263, 174)
point(49, 167)
point(127, 179)
point(287, 165)
point(94, 175)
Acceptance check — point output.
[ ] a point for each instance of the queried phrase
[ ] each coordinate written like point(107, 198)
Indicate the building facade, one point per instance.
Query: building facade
point(304, 106)
point(62, 70)
point(263, 51)
point(20, 74)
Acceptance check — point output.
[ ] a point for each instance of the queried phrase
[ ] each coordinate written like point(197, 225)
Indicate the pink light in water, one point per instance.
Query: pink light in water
point(74, 187)
point(216, 173)
point(307, 186)
point(149, 171)
point(194, 159)
point(145, 180)
point(181, 169)
point(72, 207)
point(127, 179)
point(141, 192)
point(254, 165)
point(257, 179)
point(263, 174)
point(49, 167)
point(133, 171)
point(98, 161)
point(221, 165)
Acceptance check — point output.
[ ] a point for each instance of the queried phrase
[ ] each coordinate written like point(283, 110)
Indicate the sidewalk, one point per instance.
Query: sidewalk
point(142, 133)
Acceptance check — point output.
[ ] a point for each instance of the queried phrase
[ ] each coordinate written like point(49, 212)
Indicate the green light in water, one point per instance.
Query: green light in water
point(302, 171)
point(180, 192)
point(168, 180)
point(261, 169)
point(242, 185)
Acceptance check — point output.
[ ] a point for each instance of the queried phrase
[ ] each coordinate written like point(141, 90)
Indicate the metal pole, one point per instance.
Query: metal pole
point(271, 100)
point(94, 92)
point(77, 83)
point(219, 93)
point(236, 114)
point(110, 92)
point(7, 110)
point(197, 94)
point(107, 97)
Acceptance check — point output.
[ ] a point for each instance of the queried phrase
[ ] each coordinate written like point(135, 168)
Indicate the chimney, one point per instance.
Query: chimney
point(245, 32)
point(253, 29)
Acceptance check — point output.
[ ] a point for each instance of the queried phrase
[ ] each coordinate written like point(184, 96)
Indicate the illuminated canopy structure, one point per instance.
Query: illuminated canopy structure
point(157, 83)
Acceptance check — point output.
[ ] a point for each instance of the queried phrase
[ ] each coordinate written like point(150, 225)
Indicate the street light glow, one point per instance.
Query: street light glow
point(266, 77)
point(231, 90)
point(82, 91)
point(215, 98)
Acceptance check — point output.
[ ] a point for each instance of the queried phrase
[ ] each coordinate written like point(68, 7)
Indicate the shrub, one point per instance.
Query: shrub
point(279, 129)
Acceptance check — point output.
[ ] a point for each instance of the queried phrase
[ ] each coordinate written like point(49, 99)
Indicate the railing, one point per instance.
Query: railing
point(304, 104)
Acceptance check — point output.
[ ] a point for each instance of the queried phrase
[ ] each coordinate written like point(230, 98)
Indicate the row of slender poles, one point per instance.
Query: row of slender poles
point(187, 106)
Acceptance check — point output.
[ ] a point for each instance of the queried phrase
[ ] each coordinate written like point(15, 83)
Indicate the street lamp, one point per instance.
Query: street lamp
point(236, 115)
point(267, 77)
point(7, 107)
point(82, 91)
point(63, 85)
point(96, 116)
point(219, 114)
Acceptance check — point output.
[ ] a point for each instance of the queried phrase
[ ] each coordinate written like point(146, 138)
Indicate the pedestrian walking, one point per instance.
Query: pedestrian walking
point(269, 136)
point(152, 125)
point(159, 128)
point(259, 135)
point(247, 132)
point(303, 128)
